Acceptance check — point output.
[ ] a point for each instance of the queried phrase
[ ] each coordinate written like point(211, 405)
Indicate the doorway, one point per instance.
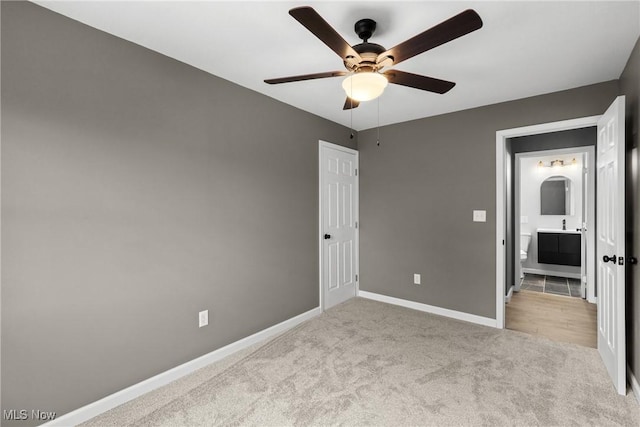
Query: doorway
point(504, 216)
point(610, 229)
point(553, 236)
point(338, 223)
point(554, 204)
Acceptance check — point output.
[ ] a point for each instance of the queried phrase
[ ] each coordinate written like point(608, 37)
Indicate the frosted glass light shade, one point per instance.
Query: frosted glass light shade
point(364, 86)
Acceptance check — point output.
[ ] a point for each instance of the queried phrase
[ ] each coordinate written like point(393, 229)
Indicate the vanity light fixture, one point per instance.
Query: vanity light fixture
point(557, 163)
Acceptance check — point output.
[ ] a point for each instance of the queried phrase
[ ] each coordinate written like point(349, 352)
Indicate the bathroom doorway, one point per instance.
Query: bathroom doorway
point(554, 214)
point(553, 291)
point(551, 285)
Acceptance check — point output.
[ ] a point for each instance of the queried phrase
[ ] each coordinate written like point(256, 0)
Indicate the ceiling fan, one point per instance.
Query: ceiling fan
point(365, 61)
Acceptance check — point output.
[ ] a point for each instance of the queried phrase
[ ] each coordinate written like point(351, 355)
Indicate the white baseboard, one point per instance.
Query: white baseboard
point(552, 273)
point(507, 299)
point(635, 387)
point(430, 309)
point(94, 409)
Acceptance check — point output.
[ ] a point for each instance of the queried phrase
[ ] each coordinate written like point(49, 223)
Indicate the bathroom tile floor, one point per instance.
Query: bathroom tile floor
point(551, 285)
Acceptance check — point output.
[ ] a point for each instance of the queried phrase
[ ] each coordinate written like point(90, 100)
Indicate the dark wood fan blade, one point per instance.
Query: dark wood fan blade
point(451, 29)
point(418, 82)
point(350, 103)
point(306, 77)
point(313, 22)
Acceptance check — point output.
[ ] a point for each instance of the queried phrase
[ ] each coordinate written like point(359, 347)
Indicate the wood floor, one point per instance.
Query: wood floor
point(558, 318)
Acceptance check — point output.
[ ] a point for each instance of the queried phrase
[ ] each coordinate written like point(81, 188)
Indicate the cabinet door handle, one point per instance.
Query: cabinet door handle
point(607, 259)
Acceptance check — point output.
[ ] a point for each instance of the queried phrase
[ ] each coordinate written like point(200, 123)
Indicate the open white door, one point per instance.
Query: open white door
point(338, 223)
point(610, 243)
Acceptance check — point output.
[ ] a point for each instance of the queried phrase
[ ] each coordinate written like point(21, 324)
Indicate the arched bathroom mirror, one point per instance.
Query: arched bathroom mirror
point(556, 196)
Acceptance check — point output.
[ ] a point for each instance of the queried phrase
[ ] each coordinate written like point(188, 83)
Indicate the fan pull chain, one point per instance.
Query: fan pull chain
point(378, 122)
point(351, 125)
point(351, 112)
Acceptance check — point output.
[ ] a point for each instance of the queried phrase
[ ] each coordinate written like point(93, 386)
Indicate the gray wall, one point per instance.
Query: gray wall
point(137, 191)
point(630, 87)
point(418, 190)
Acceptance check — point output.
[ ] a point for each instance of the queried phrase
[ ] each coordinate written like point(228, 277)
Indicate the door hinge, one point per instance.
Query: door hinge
point(356, 172)
point(356, 224)
point(356, 277)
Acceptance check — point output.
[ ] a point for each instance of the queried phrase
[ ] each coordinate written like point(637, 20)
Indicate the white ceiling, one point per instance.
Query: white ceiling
point(523, 49)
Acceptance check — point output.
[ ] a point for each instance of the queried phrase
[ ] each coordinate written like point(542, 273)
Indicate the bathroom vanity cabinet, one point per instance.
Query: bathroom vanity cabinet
point(561, 248)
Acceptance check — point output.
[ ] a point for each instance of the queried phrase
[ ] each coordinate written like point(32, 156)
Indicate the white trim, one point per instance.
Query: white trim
point(551, 273)
point(592, 260)
point(459, 315)
point(96, 408)
point(501, 137)
point(0, 241)
point(324, 144)
point(518, 271)
point(500, 229)
point(507, 299)
point(320, 226)
point(338, 147)
point(635, 387)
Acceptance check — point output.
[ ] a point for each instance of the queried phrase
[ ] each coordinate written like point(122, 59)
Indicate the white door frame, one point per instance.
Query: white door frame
point(326, 144)
point(589, 268)
point(501, 225)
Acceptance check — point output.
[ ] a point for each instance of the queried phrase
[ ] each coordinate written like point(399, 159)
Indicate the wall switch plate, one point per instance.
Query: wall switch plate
point(524, 219)
point(416, 279)
point(203, 318)
point(479, 216)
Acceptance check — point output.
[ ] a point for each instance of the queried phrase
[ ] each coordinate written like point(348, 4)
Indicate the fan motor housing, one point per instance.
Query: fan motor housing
point(365, 28)
point(369, 52)
point(366, 47)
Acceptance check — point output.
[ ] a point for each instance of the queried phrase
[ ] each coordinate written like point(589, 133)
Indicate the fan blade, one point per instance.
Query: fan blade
point(313, 22)
point(306, 77)
point(350, 103)
point(418, 82)
point(451, 29)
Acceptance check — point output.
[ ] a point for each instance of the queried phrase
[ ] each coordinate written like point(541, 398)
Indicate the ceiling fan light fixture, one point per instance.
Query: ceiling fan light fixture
point(365, 86)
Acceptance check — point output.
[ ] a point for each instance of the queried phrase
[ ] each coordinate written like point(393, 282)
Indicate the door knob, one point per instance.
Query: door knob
point(633, 260)
point(607, 259)
point(327, 236)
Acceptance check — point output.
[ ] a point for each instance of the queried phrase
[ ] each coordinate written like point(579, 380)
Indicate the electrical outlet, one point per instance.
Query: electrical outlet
point(203, 318)
point(416, 279)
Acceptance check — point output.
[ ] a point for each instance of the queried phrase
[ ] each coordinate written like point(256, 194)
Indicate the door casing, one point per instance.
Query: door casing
point(501, 174)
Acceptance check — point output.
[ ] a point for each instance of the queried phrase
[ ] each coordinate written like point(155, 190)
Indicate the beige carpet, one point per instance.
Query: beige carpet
point(369, 363)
